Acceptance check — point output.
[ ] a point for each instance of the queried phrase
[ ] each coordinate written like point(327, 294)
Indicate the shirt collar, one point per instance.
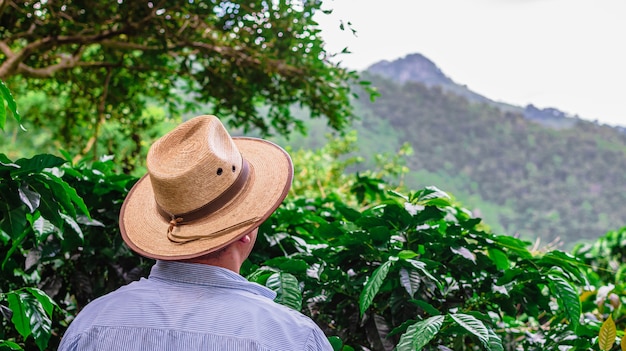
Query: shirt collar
point(202, 274)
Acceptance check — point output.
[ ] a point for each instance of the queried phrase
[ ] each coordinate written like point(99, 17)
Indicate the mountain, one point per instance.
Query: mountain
point(537, 173)
point(418, 68)
point(413, 68)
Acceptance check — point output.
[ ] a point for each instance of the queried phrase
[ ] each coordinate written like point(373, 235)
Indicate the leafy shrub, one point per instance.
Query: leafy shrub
point(57, 245)
point(604, 296)
point(416, 272)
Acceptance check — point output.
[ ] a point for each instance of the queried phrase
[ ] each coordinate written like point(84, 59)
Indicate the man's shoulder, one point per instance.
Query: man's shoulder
point(206, 313)
point(114, 300)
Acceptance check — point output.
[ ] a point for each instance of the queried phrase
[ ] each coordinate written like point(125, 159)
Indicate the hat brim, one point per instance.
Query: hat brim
point(145, 230)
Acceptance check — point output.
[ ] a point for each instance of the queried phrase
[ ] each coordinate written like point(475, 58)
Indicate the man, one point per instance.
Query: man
point(197, 212)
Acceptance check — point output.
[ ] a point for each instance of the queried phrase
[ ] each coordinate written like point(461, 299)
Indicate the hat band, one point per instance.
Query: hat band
point(179, 239)
point(210, 207)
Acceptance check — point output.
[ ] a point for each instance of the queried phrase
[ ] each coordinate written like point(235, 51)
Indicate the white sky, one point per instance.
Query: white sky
point(567, 54)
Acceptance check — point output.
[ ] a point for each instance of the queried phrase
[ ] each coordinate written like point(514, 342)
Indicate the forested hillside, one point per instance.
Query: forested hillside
point(553, 178)
point(546, 183)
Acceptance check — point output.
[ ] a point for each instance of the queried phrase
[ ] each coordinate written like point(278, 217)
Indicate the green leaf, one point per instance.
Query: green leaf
point(472, 325)
point(511, 275)
point(328, 231)
point(29, 317)
point(48, 205)
point(465, 253)
point(514, 244)
point(562, 257)
point(6, 164)
point(373, 285)
point(68, 157)
point(380, 235)
point(261, 275)
point(402, 328)
point(287, 289)
point(69, 192)
point(20, 317)
point(46, 301)
point(59, 193)
point(3, 113)
point(5, 95)
point(565, 261)
point(406, 254)
point(16, 243)
point(495, 343)
point(37, 163)
point(567, 298)
point(288, 265)
point(420, 334)
point(15, 222)
point(499, 258)
point(9, 345)
point(40, 226)
point(608, 332)
point(349, 213)
point(335, 342)
point(367, 222)
point(421, 266)
point(430, 309)
point(432, 196)
point(30, 198)
point(62, 192)
point(72, 223)
point(5, 312)
point(410, 280)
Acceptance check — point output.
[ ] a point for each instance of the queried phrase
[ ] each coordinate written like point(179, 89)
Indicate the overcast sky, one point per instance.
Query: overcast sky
point(567, 54)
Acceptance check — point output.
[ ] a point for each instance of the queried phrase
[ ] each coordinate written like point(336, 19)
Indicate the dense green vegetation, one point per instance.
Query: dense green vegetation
point(375, 267)
point(378, 261)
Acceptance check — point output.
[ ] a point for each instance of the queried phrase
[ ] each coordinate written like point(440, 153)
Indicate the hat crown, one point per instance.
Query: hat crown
point(193, 165)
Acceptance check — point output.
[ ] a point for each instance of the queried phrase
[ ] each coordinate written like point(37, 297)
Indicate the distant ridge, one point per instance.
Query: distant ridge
point(418, 68)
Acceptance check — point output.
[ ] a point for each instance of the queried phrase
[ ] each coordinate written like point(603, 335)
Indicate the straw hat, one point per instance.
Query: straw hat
point(203, 191)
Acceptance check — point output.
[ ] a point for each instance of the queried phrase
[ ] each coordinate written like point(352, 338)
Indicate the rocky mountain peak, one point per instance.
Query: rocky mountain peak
point(412, 68)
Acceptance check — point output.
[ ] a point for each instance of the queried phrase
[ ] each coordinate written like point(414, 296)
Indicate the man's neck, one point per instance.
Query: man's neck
point(226, 258)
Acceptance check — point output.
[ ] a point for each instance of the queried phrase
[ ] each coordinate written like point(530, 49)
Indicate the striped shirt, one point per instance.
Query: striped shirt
point(183, 306)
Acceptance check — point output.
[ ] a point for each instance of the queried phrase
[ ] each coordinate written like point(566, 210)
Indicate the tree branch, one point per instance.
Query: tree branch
point(241, 56)
point(124, 45)
point(6, 50)
point(14, 63)
point(3, 5)
point(48, 71)
point(93, 141)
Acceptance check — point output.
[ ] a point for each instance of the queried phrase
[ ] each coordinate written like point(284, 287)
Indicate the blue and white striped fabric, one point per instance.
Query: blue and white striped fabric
point(187, 307)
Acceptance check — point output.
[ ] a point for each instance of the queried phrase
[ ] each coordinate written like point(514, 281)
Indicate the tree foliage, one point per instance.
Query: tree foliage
point(103, 62)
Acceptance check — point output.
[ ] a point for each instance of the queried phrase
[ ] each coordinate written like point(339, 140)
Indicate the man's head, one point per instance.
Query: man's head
point(203, 191)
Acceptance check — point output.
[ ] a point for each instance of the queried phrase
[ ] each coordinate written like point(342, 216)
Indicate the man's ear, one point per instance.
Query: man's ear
point(245, 239)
